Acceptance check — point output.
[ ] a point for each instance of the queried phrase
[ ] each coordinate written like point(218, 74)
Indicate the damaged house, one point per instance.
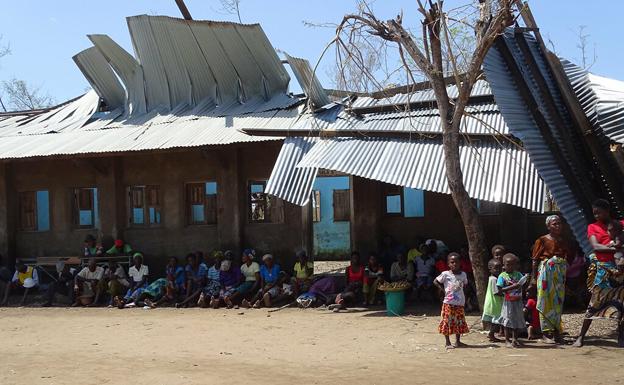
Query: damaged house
point(196, 143)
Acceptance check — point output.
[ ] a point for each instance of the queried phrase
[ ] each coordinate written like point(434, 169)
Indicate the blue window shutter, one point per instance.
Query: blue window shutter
point(414, 203)
point(43, 210)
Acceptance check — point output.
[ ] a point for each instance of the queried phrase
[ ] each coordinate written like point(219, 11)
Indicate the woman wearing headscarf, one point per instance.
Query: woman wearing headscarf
point(550, 261)
point(230, 277)
point(604, 299)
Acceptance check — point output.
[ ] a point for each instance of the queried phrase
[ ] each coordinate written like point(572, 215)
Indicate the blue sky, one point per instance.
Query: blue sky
point(44, 35)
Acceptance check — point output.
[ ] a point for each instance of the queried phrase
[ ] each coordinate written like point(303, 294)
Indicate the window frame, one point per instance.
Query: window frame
point(391, 191)
point(146, 206)
point(188, 204)
point(269, 202)
point(36, 227)
point(347, 214)
point(316, 206)
point(478, 203)
point(95, 207)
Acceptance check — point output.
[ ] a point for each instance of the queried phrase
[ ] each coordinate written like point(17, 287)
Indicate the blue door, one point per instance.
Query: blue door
point(331, 206)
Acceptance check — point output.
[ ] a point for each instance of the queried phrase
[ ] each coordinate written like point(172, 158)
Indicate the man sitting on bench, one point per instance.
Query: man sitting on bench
point(24, 280)
point(64, 285)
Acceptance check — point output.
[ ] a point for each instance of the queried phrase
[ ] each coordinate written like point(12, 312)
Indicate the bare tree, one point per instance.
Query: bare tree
point(371, 55)
point(22, 96)
point(583, 46)
point(428, 56)
point(4, 49)
point(232, 7)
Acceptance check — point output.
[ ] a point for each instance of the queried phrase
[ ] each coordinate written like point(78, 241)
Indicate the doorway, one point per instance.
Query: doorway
point(331, 215)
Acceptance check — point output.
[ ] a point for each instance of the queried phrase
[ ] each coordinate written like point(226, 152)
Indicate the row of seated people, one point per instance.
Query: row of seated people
point(222, 282)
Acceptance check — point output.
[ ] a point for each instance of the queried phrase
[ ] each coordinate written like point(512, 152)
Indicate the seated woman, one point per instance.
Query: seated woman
point(196, 276)
point(355, 280)
point(373, 276)
point(251, 278)
point(139, 274)
point(25, 280)
point(269, 285)
point(322, 292)
point(176, 283)
point(303, 273)
point(115, 280)
point(401, 270)
point(230, 277)
point(151, 294)
point(119, 248)
point(213, 284)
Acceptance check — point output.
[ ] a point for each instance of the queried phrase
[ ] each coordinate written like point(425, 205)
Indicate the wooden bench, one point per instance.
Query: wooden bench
point(47, 265)
point(124, 260)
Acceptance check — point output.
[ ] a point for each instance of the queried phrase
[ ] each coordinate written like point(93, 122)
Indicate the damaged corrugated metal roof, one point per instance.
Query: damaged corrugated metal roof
point(519, 118)
point(193, 83)
point(399, 114)
point(495, 167)
point(288, 181)
point(602, 100)
point(496, 172)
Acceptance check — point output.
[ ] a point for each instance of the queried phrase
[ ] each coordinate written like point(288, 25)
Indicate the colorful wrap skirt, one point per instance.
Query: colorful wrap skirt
point(551, 293)
point(598, 273)
point(606, 303)
point(156, 289)
point(453, 320)
point(212, 289)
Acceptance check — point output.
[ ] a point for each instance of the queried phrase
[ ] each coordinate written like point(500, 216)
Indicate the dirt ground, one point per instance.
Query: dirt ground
point(292, 346)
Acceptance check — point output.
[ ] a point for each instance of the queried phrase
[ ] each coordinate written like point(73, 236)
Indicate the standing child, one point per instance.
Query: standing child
point(452, 282)
point(493, 301)
point(510, 283)
point(531, 315)
point(498, 251)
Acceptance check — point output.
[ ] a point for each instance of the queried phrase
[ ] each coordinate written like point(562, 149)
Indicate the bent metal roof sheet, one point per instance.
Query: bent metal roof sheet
point(496, 172)
point(193, 83)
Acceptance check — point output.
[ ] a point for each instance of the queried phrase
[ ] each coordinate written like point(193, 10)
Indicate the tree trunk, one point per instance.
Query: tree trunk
point(451, 114)
point(468, 212)
point(431, 63)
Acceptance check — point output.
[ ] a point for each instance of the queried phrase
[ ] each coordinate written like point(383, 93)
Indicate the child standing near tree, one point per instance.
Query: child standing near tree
point(452, 282)
point(493, 301)
point(510, 283)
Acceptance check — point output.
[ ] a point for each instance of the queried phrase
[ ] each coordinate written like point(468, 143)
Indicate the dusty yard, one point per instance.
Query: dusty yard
point(194, 346)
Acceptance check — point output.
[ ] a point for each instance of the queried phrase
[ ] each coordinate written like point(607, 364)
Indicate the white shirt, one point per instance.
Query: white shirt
point(250, 271)
point(137, 275)
point(453, 287)
point(87, 274)
point(120, 273)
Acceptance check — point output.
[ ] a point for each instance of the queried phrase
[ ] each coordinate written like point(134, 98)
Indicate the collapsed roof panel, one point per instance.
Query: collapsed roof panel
point(516, 92)
point(128, 70)
point(602, 100)
point(101, 77)
point(148, 54)
point(308, 81)
point(496, 172)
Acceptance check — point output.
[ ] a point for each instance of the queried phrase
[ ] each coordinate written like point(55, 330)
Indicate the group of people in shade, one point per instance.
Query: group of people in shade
point(534, 302)
point(514, 302)
point(199, 282)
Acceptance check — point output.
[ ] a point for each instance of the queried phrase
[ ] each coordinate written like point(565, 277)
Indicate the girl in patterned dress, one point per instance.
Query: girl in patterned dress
point(452, 282)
